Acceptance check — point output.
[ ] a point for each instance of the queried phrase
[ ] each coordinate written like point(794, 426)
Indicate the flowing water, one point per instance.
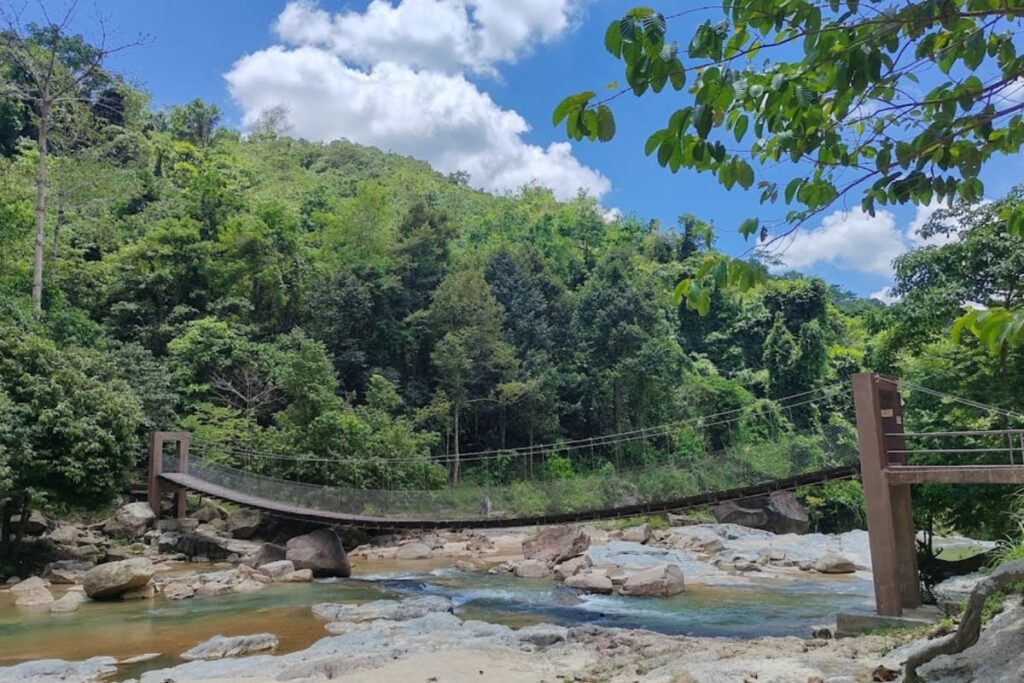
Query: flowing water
point(125, 629)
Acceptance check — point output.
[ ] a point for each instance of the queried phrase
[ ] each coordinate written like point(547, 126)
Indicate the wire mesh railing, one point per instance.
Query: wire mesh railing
point(786, 456)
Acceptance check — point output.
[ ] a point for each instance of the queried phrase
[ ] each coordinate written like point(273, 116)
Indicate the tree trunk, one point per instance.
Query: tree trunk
point(61, 195)
point(6, 512)
point(455, 461)
point(40, 247)
point(22, 523)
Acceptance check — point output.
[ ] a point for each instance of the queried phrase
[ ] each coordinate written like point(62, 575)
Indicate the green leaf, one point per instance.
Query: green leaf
point(740, 128)
point(613, 38)
point(605, 123)
point(749, 227)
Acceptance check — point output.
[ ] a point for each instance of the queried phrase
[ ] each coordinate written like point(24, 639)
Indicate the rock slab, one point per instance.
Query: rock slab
point(556, 544)
point(663, 580)
point(220, 647)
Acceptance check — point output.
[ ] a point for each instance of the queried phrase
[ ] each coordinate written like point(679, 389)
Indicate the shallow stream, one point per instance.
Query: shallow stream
point(126, 629)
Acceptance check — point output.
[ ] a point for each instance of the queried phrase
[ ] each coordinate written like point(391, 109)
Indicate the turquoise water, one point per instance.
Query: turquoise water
point(123, 629)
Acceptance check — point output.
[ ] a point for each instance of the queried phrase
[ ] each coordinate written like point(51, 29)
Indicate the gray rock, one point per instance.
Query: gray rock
point(414, 551)
point(267, 553)
point(780, 513)
point(200, 545)
point(638, 534)
point(663, 580)
point(320, 551)
point(177, 524)
point(556, 544)
point(212, 589)
point(220, 647)
point(276, 569)
point(65, 534)
point(532, 569)
point(209, 512)
point(178, 591)
point(543, 635)
point(297, 576)
point(390, 610)
point(69, 602)
point(147, 592)
point(50, 670)
point(244, 522)
point(131, 520)
point(67, 571)
point(834, 563)
point(591, 581)
point(116, 578)
point(571, 567)
point(32, 592)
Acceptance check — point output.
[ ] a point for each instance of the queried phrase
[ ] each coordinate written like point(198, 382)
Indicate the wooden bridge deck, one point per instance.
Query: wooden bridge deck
point(291, 510)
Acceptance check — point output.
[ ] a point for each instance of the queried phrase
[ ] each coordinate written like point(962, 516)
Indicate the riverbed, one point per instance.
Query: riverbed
point(751, 608)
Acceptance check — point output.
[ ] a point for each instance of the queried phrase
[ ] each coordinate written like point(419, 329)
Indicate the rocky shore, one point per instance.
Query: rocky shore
point(133, 556)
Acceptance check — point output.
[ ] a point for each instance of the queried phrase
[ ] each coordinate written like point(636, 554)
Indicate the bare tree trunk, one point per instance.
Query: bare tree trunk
point(455, 461)
point(40, 248)
point(61, 196)
point(5, 528)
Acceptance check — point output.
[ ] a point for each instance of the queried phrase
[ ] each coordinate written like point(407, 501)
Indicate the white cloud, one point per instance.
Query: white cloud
point(852, 240)
point(392, 77)
point(885, 295)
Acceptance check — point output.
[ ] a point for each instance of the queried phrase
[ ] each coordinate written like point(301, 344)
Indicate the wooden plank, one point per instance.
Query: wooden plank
point(954, 474)
point(332, 517)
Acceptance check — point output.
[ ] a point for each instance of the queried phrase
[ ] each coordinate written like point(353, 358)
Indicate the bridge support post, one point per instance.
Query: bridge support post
point(182, 441)
point(890, 520)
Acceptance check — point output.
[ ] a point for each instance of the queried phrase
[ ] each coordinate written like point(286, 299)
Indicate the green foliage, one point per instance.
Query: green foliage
point(835, 506)
point(908, 108)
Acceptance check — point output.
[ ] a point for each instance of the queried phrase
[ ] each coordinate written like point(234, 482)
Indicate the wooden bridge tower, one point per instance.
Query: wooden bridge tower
point(158, 487)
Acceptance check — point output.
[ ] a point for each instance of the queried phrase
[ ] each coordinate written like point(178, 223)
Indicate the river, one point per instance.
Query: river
point(126, 629)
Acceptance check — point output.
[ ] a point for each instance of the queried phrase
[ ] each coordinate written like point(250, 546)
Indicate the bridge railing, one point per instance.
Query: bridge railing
point(607, 488)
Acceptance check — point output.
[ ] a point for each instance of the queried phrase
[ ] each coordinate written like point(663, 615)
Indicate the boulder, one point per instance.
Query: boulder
point(277, 569)
point(665, 579)
point(786, 515)
point(638, 534)
point(209, 512)
point(414, 551)
point(32, 592)
point(131, 520)
point(267, 553)
point(591, 581)
point(177, 524)
point(244, 522)
point(50, 670)
point(200, 545)
point(320, 551)
point(780, 513)
point(556, 544)
point(35, 525)
point(67, 572)
point(69, 602)
point(116, 578)
point(250, 585)
point(532, 569)
point(178, 591)
point(65, 534)
point(571, 567)
point(743, 513)
point(147, 592)
point(834, 563)
point(219, 647)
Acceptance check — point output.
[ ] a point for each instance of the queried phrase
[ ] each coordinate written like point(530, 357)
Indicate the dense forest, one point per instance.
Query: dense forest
point(281, 297)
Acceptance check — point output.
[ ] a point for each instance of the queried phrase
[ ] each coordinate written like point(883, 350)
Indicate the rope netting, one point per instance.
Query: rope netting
point(762, 446)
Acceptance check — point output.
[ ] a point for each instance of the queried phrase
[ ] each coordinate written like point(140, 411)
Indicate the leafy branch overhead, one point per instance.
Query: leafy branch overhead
point(889, 104)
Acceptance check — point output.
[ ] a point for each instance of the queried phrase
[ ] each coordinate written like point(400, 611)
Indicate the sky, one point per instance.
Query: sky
point(469, 85)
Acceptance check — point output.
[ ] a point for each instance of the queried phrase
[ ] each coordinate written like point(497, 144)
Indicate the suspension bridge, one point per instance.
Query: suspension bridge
point(859, 433)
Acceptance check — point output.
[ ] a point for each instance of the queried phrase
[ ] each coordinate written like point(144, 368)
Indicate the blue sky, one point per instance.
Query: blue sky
point(470, 84)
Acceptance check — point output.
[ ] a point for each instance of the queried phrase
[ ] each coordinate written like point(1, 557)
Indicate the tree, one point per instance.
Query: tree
point(71, 430)
point(833, 89)
point(195, 122)
point(54, 70)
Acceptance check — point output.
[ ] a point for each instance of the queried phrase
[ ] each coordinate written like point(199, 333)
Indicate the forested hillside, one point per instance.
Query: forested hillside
point(278, 296)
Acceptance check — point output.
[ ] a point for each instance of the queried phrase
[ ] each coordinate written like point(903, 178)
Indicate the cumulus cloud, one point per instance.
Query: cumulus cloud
point(396, 76)
point(856, 241)
point(852, 240)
